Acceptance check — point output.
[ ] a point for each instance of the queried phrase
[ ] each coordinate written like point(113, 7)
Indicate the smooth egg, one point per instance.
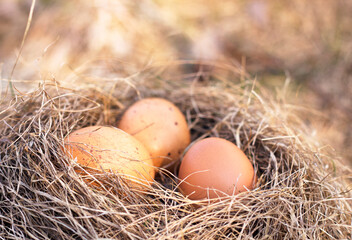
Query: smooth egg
point(215, 167)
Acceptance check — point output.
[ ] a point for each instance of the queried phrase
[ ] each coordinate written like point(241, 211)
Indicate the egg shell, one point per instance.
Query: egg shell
point(215, 167)
point(160, 126)
point(109, 148)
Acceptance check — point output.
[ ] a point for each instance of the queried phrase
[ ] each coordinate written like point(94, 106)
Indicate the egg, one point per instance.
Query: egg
point(160, 126)
point(215, 167)
point(111, 149)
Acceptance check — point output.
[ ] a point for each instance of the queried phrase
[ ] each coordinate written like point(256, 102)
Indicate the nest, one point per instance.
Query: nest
point(303, 192)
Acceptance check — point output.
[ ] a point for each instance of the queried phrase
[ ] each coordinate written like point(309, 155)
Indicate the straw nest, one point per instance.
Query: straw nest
point(302, 192)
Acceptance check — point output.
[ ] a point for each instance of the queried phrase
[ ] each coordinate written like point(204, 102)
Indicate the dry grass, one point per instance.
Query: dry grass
point(303, 192)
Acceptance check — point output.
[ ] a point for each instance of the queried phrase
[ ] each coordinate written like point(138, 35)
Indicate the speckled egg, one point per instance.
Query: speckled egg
point(160, 126)
point(111, 149)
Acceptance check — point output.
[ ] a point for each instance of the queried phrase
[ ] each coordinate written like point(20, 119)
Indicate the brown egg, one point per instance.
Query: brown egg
point(108, 148)
point(160, 126)
point(215, 167)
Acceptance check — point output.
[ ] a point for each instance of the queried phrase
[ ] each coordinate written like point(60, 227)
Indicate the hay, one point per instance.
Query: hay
point(302, 192)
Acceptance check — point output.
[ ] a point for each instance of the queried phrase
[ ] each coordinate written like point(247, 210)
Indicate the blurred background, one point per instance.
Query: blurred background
point(306, 42)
